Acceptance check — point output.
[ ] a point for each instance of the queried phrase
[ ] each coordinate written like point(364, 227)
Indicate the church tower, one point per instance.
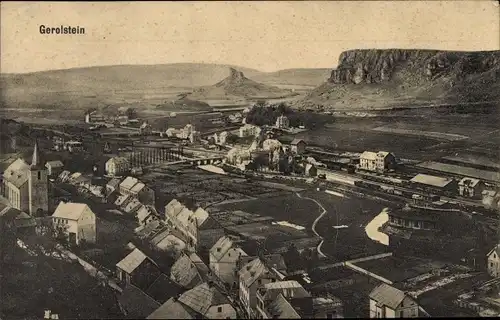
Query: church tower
point(38, 185)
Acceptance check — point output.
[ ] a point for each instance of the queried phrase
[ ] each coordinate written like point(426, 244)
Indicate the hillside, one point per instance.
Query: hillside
point(371, 79)
point(237, 86)
point(300, 77)
point(185, 104)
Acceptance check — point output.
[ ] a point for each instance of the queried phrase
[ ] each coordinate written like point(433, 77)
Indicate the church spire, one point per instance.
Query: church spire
point(35, 162)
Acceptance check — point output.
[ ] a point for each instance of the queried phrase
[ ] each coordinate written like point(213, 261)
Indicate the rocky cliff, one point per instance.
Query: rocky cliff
point(394, 77)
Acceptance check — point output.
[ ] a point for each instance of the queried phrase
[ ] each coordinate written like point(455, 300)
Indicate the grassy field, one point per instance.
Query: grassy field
point(339, 243)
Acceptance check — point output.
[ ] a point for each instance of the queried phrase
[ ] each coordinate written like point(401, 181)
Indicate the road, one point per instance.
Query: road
point(323, 212)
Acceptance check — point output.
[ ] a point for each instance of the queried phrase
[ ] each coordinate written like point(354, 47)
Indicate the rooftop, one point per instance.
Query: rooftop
point(132, 261)
point(386, 295)
point(137, 303)
point(202, 297)
point(71, 211)
point(368, 155)
point(128, 183)
point(434, 181)
point(54, 164)
point(281, 308)
point(470, 182)
point(173, 309)
point(17, 173)
point(221, 247)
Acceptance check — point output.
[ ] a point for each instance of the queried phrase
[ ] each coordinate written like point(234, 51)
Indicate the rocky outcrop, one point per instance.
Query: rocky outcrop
point(371, 79)
point(236, 85)
point(377, 66)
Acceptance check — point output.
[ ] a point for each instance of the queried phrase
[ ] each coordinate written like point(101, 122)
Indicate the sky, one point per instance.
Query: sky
point(267, 36)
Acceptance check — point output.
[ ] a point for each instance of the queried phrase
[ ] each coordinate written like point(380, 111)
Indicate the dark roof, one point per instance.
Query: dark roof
point(296, 141)
point(113, 183)
point(173, 309)
point(163, 289)
point(281, 308)
point(386, 295)
point(136, 303)
point(210, 223)
point(275, 260)
point(202, 297)
point(189, 271)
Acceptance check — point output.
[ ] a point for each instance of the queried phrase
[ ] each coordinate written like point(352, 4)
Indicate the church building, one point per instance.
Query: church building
point(25, 186)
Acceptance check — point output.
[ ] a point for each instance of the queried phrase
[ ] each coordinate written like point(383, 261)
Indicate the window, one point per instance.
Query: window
point(39, 175)
point(401, 314)
point(219, 309)
point(329, 315)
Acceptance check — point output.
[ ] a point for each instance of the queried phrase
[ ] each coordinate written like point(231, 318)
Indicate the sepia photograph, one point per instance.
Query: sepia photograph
point(249, 159)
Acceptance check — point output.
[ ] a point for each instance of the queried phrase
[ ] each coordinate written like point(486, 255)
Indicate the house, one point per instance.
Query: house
point(145, 214)
point(328, 307)
point(208, 302)
point(189, 271)
point(298, 146)
point(77, 220)
point(377, 161)
point(112, 185)
point(433, 182)
point(64, 176)
point(54, 168)
point(117, 166)
point(170, 240)
point(389, 302)
point(92, 117)
point(139, 303)
point(494, 261)
point(469, 187)
point(281, 308)
point(135, 188)
point(252, 276)
point(298, 301)
point(26, 186)
point(282, 122)
point(223, 260)
point(173, 309)
point(137, 269)
point(248, 130)
point(73, 146)
point(132, 207)
point(145, 128)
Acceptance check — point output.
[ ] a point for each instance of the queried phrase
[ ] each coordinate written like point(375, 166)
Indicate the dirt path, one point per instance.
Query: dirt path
point(323, 212)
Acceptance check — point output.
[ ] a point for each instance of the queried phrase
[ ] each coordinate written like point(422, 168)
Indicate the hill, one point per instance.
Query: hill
point(236, 87)
point(371, 79)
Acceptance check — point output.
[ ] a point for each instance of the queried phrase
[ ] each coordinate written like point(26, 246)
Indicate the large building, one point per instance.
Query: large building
point(282, 122)
point(470, 187)
point(435, 183)
point(25, 186)
point(377, 161)
point(78, 222)
point(249, 130)
point(117, 166)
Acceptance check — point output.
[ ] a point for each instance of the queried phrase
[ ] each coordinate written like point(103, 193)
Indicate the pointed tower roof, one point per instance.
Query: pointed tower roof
point(36, 161)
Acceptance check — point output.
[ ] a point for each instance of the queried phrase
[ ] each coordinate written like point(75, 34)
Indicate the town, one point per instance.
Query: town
point(249, 160)
point(244, 221)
